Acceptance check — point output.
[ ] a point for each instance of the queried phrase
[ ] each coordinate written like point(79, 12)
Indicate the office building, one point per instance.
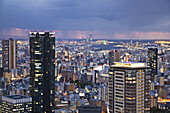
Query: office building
point(111, 57)
point(100, 103)
point(89, 109)
point(42, 71)
point(16, 104)
point(95, 76)
point(129, 88)
point(153, 61)
point(114, 56)
point(9, 54)
point(103, 93)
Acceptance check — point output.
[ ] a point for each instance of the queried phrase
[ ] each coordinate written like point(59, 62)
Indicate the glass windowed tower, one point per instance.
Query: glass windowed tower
point(153, 61)
point(42, 71)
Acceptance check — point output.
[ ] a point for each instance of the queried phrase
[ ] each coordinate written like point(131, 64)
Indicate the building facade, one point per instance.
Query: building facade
point(129, 88)
point(9, 54)
point(16, 104)
point(111, 57)
point(89, 109)
point(42, 71)
point(153, 61)
point(114, 56)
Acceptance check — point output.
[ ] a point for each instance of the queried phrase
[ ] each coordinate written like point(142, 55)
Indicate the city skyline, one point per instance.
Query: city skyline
point(73, 19)
point(85, 56)
point(84, 76)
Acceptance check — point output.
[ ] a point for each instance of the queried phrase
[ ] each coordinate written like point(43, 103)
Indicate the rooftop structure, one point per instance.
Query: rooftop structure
point(16, 104)
point(16, 99)
point(129, 64)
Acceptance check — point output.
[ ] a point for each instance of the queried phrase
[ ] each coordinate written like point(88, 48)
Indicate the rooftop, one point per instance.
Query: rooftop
point(41, 32)
point(33, 34)
point(16, 96)
point(16, 99)
point(129, 64)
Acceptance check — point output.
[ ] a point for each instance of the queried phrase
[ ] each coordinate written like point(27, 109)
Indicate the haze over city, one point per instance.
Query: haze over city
point(72, 19)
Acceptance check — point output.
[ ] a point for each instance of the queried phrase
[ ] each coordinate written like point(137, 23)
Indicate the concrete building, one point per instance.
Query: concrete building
point(9, 54)
point(89, 109)
point(16, 104)
point(129, 87)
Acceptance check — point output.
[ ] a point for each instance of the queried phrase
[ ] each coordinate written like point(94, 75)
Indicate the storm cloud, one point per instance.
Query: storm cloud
point(106, 19)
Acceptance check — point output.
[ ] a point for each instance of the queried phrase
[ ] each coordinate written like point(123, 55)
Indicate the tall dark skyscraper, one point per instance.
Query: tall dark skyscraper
point(129, 88)
point(9, 54)
point(42, 71)
point(153, 61)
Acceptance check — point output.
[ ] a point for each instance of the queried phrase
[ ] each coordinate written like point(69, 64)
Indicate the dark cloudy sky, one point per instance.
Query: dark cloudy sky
point(106, 19)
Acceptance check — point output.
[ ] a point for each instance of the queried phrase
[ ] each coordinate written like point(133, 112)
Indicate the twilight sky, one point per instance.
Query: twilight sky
point(106, 19)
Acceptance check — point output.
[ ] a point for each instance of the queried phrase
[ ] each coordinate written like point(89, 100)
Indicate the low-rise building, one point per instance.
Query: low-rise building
point(16, 104)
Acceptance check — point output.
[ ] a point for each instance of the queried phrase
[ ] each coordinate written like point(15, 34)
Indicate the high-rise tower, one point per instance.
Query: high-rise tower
point(9, 54)
point(91, 36)
point(111, 57)
point(114, 56)
point(153, 61)
point(42, 71)
point(129, 88)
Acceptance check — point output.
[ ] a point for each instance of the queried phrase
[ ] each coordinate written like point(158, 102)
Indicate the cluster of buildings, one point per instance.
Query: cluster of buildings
point(43, 75)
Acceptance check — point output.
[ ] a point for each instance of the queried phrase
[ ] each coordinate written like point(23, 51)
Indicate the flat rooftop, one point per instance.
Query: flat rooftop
point(16, 99)
point(17, 96)
point(41, 32)
point(129, 64)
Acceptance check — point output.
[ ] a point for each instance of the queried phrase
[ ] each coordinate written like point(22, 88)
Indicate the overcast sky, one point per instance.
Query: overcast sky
point(106, 19)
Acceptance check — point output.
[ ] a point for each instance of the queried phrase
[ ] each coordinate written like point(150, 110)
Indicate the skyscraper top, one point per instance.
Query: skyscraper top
point(32, 33)
point(129, 64)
